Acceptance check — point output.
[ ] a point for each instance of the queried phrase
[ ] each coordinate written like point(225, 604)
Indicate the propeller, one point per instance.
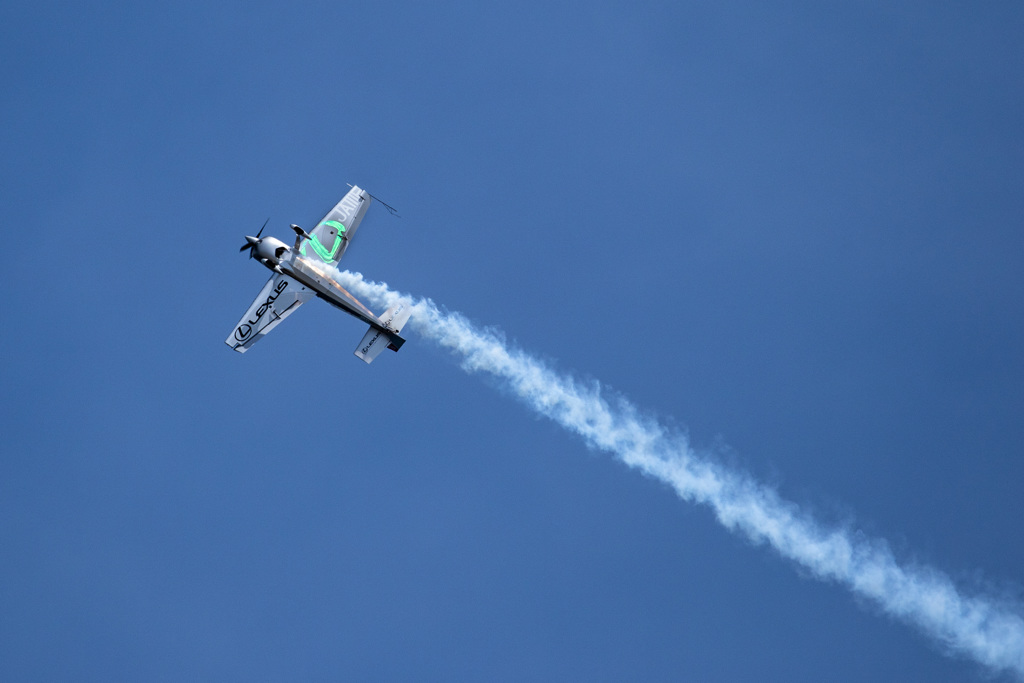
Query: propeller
point(251, 242)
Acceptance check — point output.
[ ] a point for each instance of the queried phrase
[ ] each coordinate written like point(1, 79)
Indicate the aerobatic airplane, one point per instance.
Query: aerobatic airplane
point(304, 271)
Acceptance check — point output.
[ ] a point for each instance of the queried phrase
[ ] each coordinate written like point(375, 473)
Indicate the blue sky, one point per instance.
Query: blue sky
point(791, 231)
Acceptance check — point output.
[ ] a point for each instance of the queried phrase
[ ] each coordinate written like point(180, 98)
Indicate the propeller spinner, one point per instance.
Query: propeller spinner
point(251, 242)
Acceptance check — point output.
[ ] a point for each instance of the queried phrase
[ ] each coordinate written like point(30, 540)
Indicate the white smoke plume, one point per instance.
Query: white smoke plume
point(987, 630)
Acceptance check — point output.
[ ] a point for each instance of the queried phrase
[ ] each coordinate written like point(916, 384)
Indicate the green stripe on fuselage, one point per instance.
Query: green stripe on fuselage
point(320, 249)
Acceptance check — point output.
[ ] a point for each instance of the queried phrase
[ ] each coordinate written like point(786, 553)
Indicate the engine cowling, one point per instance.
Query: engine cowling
point(270, 250)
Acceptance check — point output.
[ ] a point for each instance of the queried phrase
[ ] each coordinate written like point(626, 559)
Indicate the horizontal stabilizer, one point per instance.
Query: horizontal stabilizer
point(378, 338)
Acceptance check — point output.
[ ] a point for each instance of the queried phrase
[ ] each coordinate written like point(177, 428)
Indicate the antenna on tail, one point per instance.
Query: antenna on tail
point(392, 210)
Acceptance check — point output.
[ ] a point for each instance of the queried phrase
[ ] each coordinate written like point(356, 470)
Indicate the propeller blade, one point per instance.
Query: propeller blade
point(261, 229)
point(250, 242)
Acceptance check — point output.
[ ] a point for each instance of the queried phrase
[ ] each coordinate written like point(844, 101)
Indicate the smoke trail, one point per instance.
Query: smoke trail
point(987, 630)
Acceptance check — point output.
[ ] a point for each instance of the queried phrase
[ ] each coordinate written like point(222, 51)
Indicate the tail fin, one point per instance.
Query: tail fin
point(397, 316)
point(378, 338)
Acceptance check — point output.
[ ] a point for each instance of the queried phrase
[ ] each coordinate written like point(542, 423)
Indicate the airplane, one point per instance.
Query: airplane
point(304, 270)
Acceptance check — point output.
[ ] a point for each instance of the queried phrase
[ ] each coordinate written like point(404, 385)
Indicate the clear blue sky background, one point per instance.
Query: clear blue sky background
point(793, 229)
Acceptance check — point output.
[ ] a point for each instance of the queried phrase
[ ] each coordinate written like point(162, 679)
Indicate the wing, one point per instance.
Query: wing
point(332, 234)
point(276, 301)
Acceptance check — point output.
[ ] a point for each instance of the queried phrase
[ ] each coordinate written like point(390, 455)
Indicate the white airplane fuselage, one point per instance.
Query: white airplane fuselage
point(280, 258)
point(308, 269)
